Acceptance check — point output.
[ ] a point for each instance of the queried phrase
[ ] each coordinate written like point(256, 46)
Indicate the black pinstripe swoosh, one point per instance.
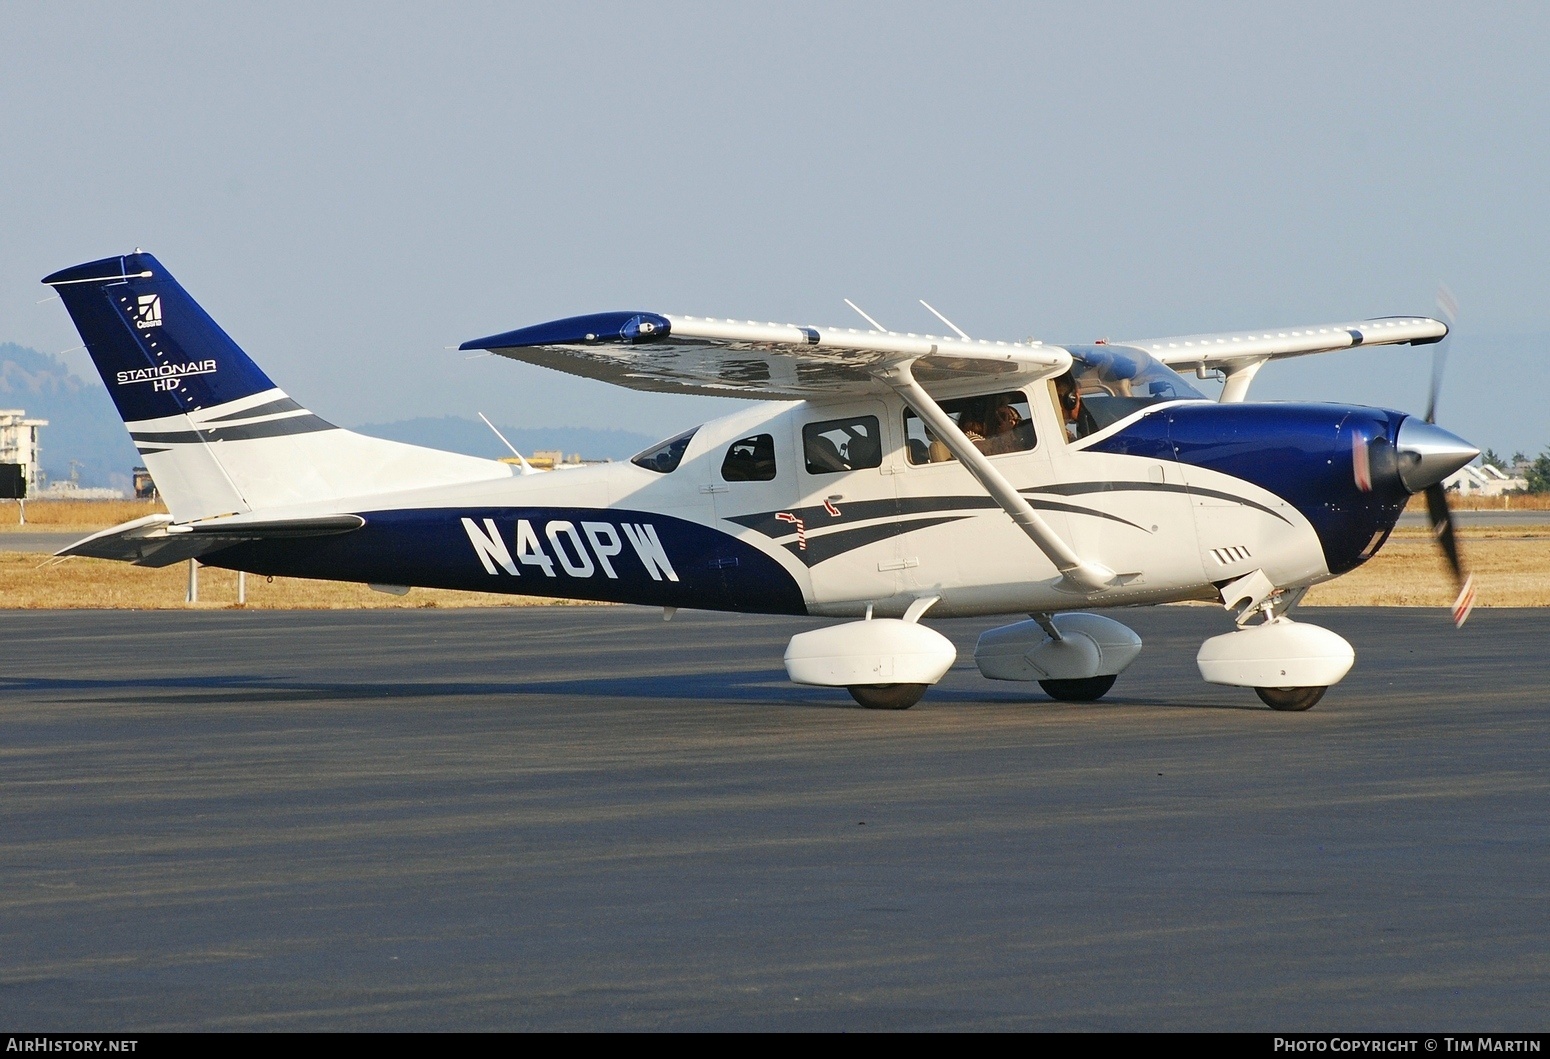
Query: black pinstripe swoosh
point(1080, 488)
point(283, 404)
point(274, 428)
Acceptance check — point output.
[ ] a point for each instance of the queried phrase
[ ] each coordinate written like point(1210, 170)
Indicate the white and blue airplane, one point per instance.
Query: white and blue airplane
point(881, 476)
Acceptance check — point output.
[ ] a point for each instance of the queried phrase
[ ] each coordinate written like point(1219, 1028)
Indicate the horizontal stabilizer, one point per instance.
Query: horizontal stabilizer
point(156, 541)
point(252, 529)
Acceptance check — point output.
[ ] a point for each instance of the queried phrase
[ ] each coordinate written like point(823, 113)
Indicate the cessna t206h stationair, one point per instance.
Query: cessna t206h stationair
point(883, 477)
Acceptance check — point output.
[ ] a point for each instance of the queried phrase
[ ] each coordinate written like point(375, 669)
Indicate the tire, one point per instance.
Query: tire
point(887, 696)
point(1290, 700)
point(1087, 689)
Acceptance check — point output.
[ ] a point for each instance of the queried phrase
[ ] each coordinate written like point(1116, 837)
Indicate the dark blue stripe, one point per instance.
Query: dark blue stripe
point(430, 548)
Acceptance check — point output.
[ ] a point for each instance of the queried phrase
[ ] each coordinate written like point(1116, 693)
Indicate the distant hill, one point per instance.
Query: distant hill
point(472, 437)
point(82, 422)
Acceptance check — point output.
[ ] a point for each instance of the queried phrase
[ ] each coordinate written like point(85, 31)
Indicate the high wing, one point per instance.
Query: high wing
point(731, 358)
point(726, 358)
point(1235, 348)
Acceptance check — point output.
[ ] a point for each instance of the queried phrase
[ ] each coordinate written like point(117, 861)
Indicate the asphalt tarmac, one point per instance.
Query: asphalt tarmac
point(583, 818)
point(1468, 519)
point(44, 541)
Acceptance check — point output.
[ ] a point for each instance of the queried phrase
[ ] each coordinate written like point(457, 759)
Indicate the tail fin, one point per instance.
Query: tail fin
point(217, 435)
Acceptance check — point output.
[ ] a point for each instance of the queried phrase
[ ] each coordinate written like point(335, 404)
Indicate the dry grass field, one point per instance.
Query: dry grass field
point(1510, 502)
point(32, 582)
point(73, 516)
point(1511, 567)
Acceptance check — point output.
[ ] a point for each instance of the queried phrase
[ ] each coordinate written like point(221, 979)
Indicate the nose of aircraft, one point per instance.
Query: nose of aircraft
point(1428, 453)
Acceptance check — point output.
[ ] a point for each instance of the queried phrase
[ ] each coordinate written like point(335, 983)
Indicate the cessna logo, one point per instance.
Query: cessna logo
point(166, 376)
point(579, 551)
point(148, 311)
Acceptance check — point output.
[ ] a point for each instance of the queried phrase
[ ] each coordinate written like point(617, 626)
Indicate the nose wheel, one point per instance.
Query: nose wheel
point(1290, 700)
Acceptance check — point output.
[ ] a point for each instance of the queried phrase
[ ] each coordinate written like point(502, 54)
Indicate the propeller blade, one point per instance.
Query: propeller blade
point(1447, 537)
point(1361, 461)
point(1448, 310)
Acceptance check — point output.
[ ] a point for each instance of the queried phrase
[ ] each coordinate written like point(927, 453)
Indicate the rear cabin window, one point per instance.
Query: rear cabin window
point(665, 458)
point(750, 460)
point(837, 445)
point(996, 424)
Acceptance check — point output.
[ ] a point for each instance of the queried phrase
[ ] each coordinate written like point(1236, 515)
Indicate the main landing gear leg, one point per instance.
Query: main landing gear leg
point(1073, 657)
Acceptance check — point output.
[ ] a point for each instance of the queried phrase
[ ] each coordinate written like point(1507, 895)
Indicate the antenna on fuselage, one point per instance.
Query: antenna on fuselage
point(875, 325)
point(960, 331)
point(526, 467)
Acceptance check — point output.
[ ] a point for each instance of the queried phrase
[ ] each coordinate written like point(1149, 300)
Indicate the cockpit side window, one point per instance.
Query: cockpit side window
point(837, 445)
point(996, 424)
point(750, 460)
point(1107, 383)
point(665, 458)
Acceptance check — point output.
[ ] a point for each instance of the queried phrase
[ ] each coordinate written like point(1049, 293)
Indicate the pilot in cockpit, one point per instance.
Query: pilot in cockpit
point(1078, 420)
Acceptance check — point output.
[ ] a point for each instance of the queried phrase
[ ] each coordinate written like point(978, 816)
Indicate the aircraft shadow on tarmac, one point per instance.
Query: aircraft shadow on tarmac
point(766, 687)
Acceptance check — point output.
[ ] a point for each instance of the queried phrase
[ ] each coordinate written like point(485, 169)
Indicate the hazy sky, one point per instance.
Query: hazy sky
point(351, 188)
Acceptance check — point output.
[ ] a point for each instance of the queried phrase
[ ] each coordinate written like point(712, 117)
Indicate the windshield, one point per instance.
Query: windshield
point(1115, 381)
point(665, 458)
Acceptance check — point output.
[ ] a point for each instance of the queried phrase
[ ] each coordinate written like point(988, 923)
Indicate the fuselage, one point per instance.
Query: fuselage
point(1178, 497)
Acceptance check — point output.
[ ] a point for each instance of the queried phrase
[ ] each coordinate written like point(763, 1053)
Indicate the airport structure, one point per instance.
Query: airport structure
point(19, 443)
point(1484, 480)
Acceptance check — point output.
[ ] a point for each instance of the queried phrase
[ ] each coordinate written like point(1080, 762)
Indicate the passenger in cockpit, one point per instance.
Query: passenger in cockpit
point(972, 423)
point(1002, 423)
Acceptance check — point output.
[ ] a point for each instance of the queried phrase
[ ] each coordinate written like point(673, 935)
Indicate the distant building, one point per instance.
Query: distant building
point(19, 444)
point(553, 460)
point(1484, 480)
point(71, 490)
point(145, 487)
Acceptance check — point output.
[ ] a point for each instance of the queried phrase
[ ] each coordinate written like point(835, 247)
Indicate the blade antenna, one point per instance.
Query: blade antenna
point(526, 467)
point(875, 325)
point(958, 330)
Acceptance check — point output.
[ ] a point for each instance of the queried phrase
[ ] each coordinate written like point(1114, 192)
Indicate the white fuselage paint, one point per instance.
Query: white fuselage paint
point(1166, 544)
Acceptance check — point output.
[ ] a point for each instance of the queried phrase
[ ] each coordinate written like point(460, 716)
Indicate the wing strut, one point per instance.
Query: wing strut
point(1078, 575)
point(1239, 374)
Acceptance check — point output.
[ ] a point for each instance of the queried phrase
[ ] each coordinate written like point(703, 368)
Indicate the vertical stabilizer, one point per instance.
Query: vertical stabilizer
point(217, 435)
